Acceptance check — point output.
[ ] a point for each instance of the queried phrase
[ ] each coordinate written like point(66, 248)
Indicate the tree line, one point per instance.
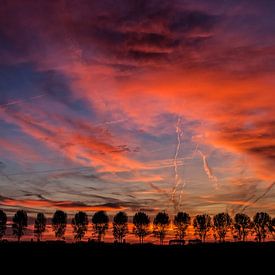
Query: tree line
point(220, 225)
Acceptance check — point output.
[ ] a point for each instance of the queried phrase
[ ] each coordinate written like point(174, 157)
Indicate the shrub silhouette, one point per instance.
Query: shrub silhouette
point(59, 224)
point(120, 226)
point(20, 223)
point(39, 226)
point(80, 225)
point(100, 222)
point(202, 225)
point(242, 225)
point(3, 224)
point(161, 223)
point(141, 226)
point(181, 222)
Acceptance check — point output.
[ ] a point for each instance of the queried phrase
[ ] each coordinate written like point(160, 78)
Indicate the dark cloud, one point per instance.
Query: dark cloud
point(39, 196)
point(267, 151)
point(132, 31)
point(151, 40)
point(143, 56)
point(187, 21)
point(146, 31)
point(121, 148)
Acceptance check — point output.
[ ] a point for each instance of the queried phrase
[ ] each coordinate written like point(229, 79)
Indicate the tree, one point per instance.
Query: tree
point(20, 223)
point(242, 225)
point(59, 224)
point(202, 225)
point(3, 224)
point(100, 222)
point(272, 228)
point(222, 223)
point(39, 225)
point(120, 226)
point(161, 223)
point(80, 225)
point(261, 223)
point(181, 222)
point(141, 223)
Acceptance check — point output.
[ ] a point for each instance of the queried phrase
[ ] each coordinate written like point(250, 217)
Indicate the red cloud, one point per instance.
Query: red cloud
point(64, 205)
point(139, 63)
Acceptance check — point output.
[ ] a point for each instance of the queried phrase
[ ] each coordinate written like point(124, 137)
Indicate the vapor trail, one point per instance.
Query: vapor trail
point(115, 121)
point(195, 151)
point(19, 101)
point(208, 170)
point(177, 179)
point(261, 196)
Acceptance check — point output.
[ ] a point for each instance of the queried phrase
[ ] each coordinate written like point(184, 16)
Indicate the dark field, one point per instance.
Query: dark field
point(229, 256)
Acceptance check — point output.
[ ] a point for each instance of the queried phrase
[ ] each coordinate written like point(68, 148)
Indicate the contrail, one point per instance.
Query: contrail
point(177, 179)
point(115, 121)
point(195, 151)
point(208, 170)
point(19, 101)
point(261, 196)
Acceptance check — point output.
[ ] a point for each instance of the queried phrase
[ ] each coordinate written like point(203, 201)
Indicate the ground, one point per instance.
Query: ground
point(106, 256)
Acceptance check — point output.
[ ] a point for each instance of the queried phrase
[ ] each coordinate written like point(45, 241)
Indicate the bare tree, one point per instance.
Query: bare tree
point(222, 223)
point(3, 224)
point(181, 222)
point(261, 223)
point(141, 223)
point(80, 225)
point(120, 226)
point(20, 223)
point(202, 225)
point(100, 222)
point(59, 224)
point(242, 225)
point(39, 225)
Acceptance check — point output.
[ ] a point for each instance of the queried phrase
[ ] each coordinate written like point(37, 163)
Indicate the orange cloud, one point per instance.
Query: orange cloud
point(64, 205)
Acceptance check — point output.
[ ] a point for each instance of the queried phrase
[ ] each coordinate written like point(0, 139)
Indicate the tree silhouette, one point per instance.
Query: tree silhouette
point(202, 225)
point(242, 225)
point(272, 228)
point(3, 224)
point(80, 225)
point(100, 222)
point(141, 223)
point(59, 224)
point(120, 226)
point(20, 223)
point(261, 223)
point(161, 223)
point(39, 225)
point(181, 222)
point(222, 223)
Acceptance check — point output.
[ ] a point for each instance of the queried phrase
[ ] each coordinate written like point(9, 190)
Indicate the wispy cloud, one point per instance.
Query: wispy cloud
point(85, 85)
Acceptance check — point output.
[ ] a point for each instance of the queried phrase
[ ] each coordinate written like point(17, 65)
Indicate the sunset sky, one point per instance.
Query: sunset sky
point(137, 105)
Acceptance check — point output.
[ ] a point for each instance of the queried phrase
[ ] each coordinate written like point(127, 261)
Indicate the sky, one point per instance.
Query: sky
point(137, 106)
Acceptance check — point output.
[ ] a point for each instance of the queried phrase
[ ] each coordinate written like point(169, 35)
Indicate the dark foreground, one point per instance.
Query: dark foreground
point(209, 257)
